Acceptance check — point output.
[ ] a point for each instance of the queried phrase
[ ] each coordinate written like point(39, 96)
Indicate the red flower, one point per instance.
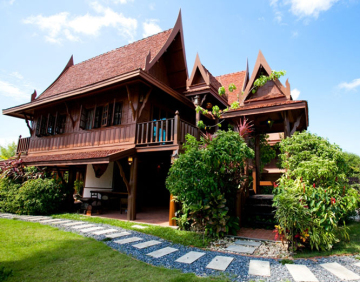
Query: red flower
point(297, 236)
point(333, 201)
point(275, 185)
point(336, 179)
point(314, 185)
point(306, 207)
point(325, 191)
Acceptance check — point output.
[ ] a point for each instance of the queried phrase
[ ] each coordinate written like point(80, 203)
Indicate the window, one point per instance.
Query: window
point(50, 125)
point(60, 124)
point(117, 113)
point(98, 116)
point(38, 127)
point(43, 126)
point(105, 115)
point(89, 119)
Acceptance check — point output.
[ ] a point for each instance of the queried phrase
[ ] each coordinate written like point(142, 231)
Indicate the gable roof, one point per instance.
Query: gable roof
point(238, 78)
point(116, 62)
point(261, 64)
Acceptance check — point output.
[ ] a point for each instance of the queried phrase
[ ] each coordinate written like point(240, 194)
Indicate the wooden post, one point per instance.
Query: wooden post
point(254, 180)
point(70, 187)
point(172, 209)
point(257, 161)
point(131, 212)
point(216, 122)
point(177, 133)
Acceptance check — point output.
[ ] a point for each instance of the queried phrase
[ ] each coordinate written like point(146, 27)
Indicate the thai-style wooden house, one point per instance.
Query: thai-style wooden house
point(119, 119)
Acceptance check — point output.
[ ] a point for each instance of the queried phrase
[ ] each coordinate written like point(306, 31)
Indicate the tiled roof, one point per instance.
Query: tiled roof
point(266, 105)
point(119, 61)
point(266, 97)
point(70, 156)
point(237, 78)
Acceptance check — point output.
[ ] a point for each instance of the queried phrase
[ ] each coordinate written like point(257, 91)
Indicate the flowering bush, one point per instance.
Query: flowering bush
point(313, 197)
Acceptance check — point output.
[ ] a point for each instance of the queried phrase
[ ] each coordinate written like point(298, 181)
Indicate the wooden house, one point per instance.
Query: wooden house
point(118, 119)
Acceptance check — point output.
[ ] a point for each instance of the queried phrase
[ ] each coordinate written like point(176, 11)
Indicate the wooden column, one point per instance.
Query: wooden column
point(172, 210)
point(216, 122)
point(70, 187)
point(257, 161)
point(177, 133)
point(131, 213)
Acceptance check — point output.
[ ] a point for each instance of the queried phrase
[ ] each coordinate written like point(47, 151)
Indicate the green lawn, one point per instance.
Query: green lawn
point(343, 247)
point(36, 252)
point(186, 238)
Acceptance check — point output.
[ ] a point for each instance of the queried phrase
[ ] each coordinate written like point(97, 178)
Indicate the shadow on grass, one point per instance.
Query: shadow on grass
point(35, 252)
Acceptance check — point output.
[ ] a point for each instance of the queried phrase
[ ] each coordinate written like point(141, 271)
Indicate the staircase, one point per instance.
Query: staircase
point(259, 212)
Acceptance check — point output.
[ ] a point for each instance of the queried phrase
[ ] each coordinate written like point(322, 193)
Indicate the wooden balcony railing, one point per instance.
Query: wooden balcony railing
point(165, 131)
point(23, 145)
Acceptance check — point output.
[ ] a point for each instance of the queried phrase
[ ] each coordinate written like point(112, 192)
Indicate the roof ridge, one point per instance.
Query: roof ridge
point(230, 73)
point(113, 50)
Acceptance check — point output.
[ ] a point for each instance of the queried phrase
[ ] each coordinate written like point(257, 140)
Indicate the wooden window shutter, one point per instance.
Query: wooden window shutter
point(83, 117)
point(105, 115)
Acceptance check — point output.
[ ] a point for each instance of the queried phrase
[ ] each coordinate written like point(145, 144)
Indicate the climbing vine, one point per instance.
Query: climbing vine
point(216, 111)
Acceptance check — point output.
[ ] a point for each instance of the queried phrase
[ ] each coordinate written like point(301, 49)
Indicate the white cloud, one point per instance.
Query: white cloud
point(17, 75)
point(294, 34)
point(350, 85)
point(310, 8)
point(295, 93)
point(11, 2)
point(152, 6)
point(151, 27)
point(9, 90)
point(122, 1)
point(62, 26)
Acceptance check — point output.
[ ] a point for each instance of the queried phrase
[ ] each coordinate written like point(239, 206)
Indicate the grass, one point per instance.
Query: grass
point(341, 248)
point(186, 238)
point(34, 252)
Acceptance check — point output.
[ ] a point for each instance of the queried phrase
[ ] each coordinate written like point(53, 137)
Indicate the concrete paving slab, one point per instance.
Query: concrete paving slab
point(220, 263)
point(259, 268)
point(241, 249)
point(86, 230)
point(190, 257)
point(162, 252)
point(139, 226)
point(38, 218)
point(64, 221)
point(357, 264)
point(82, 226)
point(247, 243)
point(49, 220)
point(340, 271)
point(301, 273)
point(75, 223)
point(116, 235)
point(147, 244)
point(128, 240)
point(102, 232)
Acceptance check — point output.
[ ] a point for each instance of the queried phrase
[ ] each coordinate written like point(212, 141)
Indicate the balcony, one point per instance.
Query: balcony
point(170, 131)
point(23, 145)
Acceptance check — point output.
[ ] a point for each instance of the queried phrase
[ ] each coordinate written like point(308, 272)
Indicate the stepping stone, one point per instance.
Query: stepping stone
point(86, 230)
point(241, 249)
point(74, 223)
point(64, 221)
point(340, 271)
point(128, 240)
point(220, 263)
point(357, 264)
point(104, 231)
point(50, 220)
point(38, 218)
point(301, 273)
point(247, 243)
point(190, 257)
point(83, 226)
point(259, 268)
point(147, 244)
point(116, 235)
point(139, 226)
point(162, 252)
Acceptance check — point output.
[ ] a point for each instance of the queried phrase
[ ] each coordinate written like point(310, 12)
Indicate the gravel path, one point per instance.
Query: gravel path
point(237, 270)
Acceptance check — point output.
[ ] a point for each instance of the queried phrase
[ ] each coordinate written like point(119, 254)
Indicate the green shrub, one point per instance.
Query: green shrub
point(206, 178)
point(313, 196)
point(34, 196)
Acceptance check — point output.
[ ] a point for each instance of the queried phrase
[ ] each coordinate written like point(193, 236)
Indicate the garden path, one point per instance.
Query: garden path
point(159, 252)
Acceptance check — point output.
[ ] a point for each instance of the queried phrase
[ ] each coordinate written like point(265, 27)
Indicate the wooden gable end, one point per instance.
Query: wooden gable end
point(199, 76)
point(169, 65)
point(271, 90)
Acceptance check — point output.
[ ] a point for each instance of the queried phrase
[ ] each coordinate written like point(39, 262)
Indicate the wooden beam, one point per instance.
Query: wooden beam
point(28, 125)
point(296, 125)
point(70, 116)
point(144, 102)
point(286, 124)
point(130, 103)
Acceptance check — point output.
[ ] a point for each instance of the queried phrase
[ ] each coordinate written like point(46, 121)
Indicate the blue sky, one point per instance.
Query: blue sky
point(316, 41)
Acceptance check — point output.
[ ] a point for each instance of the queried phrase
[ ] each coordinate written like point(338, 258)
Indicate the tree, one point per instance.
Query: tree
point(8, 151)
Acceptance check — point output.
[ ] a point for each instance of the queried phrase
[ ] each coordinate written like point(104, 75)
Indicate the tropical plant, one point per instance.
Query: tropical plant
point(17, 171)
point(206, 178)
point(315, 179)
point(8, 151)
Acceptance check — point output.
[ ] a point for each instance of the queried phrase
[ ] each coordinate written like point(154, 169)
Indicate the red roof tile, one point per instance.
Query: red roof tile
point(266, 97)
point(119, 61)
point(237, 78)
point(266, 105)
point(70, 156)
